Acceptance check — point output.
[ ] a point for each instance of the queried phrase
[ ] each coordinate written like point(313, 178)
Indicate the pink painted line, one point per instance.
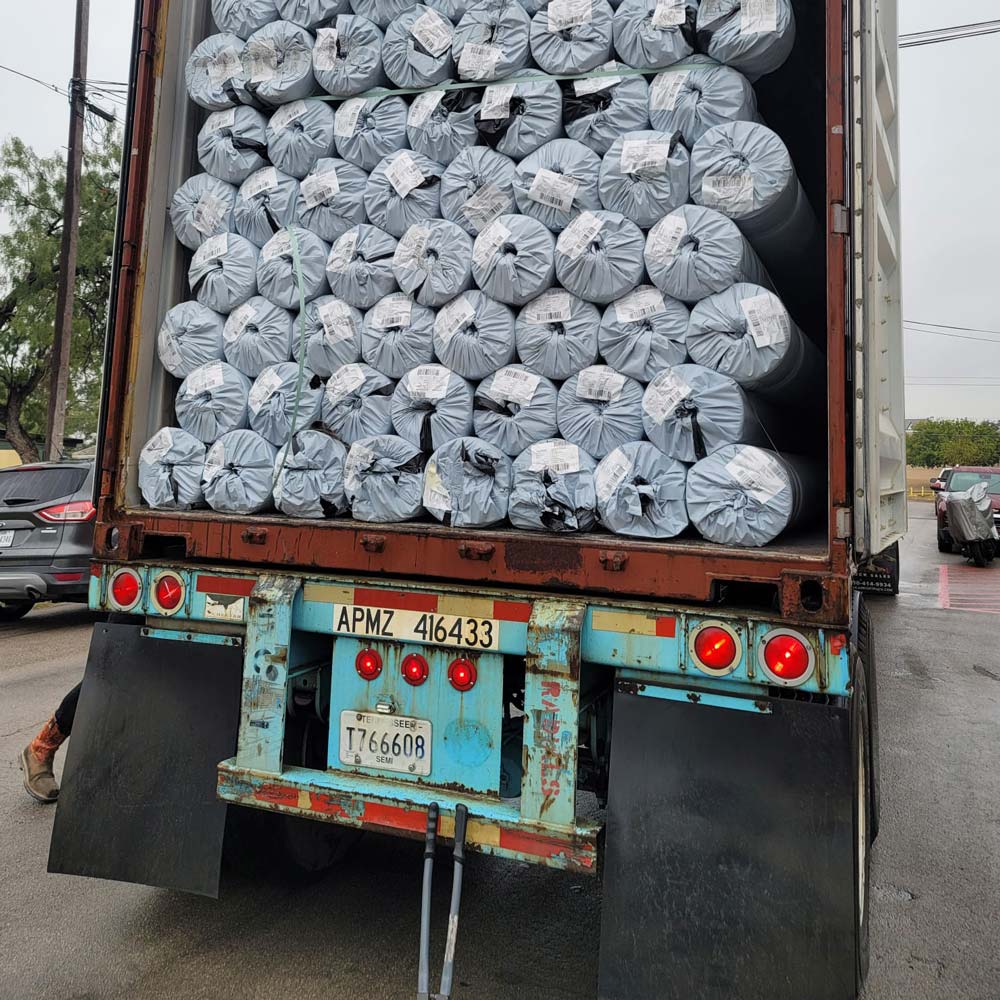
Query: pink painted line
point(944, 598)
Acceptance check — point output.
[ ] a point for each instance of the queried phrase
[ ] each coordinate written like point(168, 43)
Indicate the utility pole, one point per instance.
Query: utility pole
point(67, 255)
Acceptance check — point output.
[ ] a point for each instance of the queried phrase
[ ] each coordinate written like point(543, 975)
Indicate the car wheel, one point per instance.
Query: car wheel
point(944, 542)
point(12, 611)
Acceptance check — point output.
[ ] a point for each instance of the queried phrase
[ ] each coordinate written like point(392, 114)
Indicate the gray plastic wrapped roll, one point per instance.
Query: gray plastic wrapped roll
point(214, 74)
point(310, 477)
point(239, 473)
point(433, 261)
point(474, 335)
point(212, 401)
point(267, 202)
point(492, 40)
point(331, 198)
point(651, 34)
point(347, 57)
point(223, 272)
point(742, 495)
point(698, 94)
point(442, 123)
point(257, 334)
point(644, 332)
point(432, 405)
point(171, 464)
point(755, 38)
point(243, 17)
point(381, 12)
point(404, 188)
point(515, 408)
point(597, 111)
point(357, 403)
point(553, 488)
point(232, 144)
point(467, 484)
point(299, 135)
point(641, 492)
point(645, 175)
point(600, 409)
point(477, 187)
point(517, 118)
point(556, 334)
point(695, 252)
point(359, 268)
point(278, 60)
point(513, 259)
point(191, 336)
point(201, 208)
point(397, 335)
point(277, 275)
point(558, 181)
point(416, 51)
point(311, 14)
point(369, 129)
point(333, 335)
point(689, 411)
point(571, 37)
point(384, 479)
point(599, 256)
point(454, 10)
point(271, 404)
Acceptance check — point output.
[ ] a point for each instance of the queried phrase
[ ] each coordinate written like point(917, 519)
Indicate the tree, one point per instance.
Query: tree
point(31, 196)
point(953, 442)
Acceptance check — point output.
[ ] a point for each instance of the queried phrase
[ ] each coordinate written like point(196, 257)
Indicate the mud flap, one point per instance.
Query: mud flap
point(138, 800)
point(729, 868)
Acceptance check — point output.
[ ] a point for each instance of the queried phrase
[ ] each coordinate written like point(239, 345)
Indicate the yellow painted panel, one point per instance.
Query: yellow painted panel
point(625, 622)
point(325, 593)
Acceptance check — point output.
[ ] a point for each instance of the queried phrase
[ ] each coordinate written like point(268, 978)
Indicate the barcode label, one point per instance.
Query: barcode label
point(565, 14)
point(554, 190)
point(649, 155)
point(428, 382)
point(487, 204)
point(558, 457)
point(343, 252)
point(639, 305)
point(263, 389)
point(392, 311)
point(767, 320)
point(404, 174)
point(759, 473)
point(666, 237)
point(338, 322)
point(345, 121)
point(225, 65)
point(239, 320)
point(513, 385)
point(496, 102)
point(664, 394)
point(666, 89)
point(436, 496)
point(287, 114)
point(215, 462)
point(170, 353)
point(205, 379)
point(211, 249)
point(411, 248)
point(579, 234)
point(343, 382)
point(325, 51)
point(359, 459)
point(265, 179)
point(600, 383)
point(710, 10)
point(279, 245)
point(731, 194)
point(157, 446)
point(423, 107)
point(219, 120)
point(452, 317)
point(432, 31)
point(208, 214)
point(669, 13)
point(595, 84)
point(611, 474)
point(261, 62)
point(489, 241)
point(317, 189)
point(758, 16)
point(553, 306)
point(478, 62)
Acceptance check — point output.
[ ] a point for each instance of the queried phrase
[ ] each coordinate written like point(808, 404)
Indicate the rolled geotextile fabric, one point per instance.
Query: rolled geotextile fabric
point(243, 17)
point(223, 272)
point(651, 34)
point(645, 175)
point(553, 488)
point(214, 74)
point(404, 188)
point(384, 479)
point(571, 37)
point(755, 38)
point(432, 405)
point(600, 409)
point(643, 333)
point(331, 198)
point(212, 401)
point(398, 335)
point(359, 268)
point(357, 403)
point(381, 12)
point(699, 94)
point(257, 334)
point(202, 207)
point(467, 483)
point(283, 401)
point(239, 473)
point(416, 51)
point(558, 181)
point(433, 261)
point(556, 334)
point(596, 112)
point(368, 129)
point(695, 252)
point(690, 411)
point(599, 256)
point(477, 187)
point(278, 276)
point(515, 408)
point(333, 335)
point(278, 58)
point(454, 10)
point(746, 333)
point(347, 57)
point(267, 202)
point(441, 122)
point(190, 336)
point(640, 492)
point(299, 135)
point(492, 40)
point(742, 495)
point(512, 259)
point(171, 464)
point(310, 477)
point(311, 14)
point(517, 118)
point(474, 335)
point(232, 144)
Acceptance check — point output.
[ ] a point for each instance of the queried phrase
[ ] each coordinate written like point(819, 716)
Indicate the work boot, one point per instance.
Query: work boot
point(39, 781)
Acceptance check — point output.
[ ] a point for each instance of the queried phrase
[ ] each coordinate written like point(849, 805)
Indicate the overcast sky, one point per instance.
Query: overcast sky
point(950, 153)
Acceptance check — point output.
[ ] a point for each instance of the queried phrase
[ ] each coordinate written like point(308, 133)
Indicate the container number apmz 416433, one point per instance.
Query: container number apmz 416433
point(416, 626)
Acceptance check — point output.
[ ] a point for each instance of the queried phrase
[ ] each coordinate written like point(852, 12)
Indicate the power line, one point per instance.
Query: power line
point(34, 79)
point(90, 106)
point(953, 336)
point(951, 34)
point(945, 326)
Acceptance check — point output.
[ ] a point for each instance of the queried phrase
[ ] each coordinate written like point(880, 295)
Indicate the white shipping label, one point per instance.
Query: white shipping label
point(759, 473)
point(318, 189)
point(767, 320)
point(343, 382)
point(429, 382)
point(359, 459)
point(554, 190)
point(392, 311)
point(553, 306)
point(496, 102)
point(710, 10)
point(157, 446)
point(211, 249)
point(325, 50)
point(758, 16)
point(665, 393)
point(170, 353)
point(600, 383)
point(596, 84)
point(565, 14)
point(215, 462)
point(239, 320)
point(641, 304)
point(225, 65)
point(205, 379)
point(261, 62)
point(345, 122)
point(669, 13)
point(411, 248)
point(514, 385)
point(452, 317)
point(487, 204)
point(559, 457)
point(433, 32)
point(489, 241)
point(218, 120)
point(287, 114)
point(611, 474)
point(265, 179)
point(478, 62)
point(342, 252)
point(731, 194)
point(436, 496)
point(579, 234)
point(338, 322)
point(666, 89)
point(423, 107)
point(267, 384)
point(647, 155)
point(404, 174)
point(208, 214)
point(279, 245)
point(666, 238)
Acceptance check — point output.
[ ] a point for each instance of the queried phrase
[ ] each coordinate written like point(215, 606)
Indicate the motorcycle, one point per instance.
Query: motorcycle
point(970, 520)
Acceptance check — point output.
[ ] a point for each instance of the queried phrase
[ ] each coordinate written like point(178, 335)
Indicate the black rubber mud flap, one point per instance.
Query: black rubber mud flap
point(138, 800)
point(729, 867)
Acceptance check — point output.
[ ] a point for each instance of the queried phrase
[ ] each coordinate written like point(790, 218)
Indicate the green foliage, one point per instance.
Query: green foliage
point(953, 442)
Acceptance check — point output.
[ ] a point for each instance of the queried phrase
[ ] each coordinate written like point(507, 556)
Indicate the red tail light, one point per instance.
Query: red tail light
point(168, 593)
point(80, 510)
point(715, 649)
point(787, 658)
point(125, 589)
point(463, 675)
point(368, 664)
point(415, 669)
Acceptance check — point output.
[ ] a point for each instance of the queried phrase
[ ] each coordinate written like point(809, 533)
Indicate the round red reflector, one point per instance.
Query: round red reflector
point(368, 664)
point(715, 648)
point(787, 657)
point(125, 588)
point(415, 669)
point(462, 674)
point(169, 593)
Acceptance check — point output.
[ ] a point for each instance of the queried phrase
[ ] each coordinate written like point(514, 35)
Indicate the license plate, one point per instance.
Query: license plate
point(417, 626)
point(6, 539)
point(385, 742)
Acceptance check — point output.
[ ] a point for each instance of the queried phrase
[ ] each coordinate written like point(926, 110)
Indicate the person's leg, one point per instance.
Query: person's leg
point(38, 755)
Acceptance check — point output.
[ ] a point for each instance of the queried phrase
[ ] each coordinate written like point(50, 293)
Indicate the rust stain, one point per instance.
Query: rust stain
point(536, 556)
